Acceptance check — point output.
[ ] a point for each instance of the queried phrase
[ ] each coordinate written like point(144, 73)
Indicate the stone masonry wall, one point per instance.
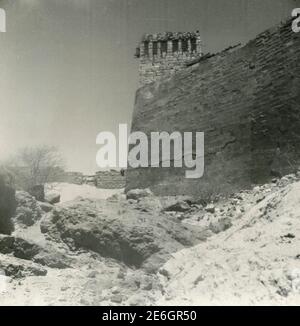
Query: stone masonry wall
point(110, 180)
point(248, 105)
point(163, 55)
point(102, 179)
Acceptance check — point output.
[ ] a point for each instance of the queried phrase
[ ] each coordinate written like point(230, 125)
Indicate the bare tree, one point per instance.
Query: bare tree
point(36, 166)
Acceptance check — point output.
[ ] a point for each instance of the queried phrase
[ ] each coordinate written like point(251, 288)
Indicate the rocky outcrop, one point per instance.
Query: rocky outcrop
point(52, 198)
point(251, 256)
point(255, 262)
point(120, 231)
point(38, 192)
point(179, 206)
point(45, 207)
point(137, 194)
point(26, 250)
point(28, 210)
point(7, 204)
point(19, 268)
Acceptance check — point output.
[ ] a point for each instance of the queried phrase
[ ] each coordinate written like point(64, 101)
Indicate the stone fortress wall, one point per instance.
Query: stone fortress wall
point(246, 101)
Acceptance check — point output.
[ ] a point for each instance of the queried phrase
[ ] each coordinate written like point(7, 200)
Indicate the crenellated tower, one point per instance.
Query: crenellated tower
point(164, 54)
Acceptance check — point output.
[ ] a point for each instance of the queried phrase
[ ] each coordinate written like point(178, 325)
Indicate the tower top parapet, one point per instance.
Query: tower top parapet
point(163, 54)
point(166, 36)
point(161, 44)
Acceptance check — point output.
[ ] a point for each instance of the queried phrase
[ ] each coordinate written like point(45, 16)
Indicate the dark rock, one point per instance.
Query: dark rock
point(45, 207)
point(164, 272)
point(289, 236)
point(117, 298)
point(38, 192)
point(118, 231)
point(260, 198)
point(210, 208)
point(52, 198)
point(149, 204)
point(19, 268)
point(52, 259)
point(28, 210)
point(26, 250)
point(8, 204)
point(147, 284)
point(136, 194)
point(180, 206)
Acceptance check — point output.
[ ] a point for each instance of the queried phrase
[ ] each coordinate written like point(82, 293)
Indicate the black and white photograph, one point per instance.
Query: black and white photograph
point(149, 154)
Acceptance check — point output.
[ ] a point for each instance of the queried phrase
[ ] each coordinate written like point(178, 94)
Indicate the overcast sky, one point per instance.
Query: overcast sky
point(67, 67)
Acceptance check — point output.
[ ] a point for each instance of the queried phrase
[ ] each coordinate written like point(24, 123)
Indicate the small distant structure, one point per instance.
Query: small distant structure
point(164, 54)
point(112, 179)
